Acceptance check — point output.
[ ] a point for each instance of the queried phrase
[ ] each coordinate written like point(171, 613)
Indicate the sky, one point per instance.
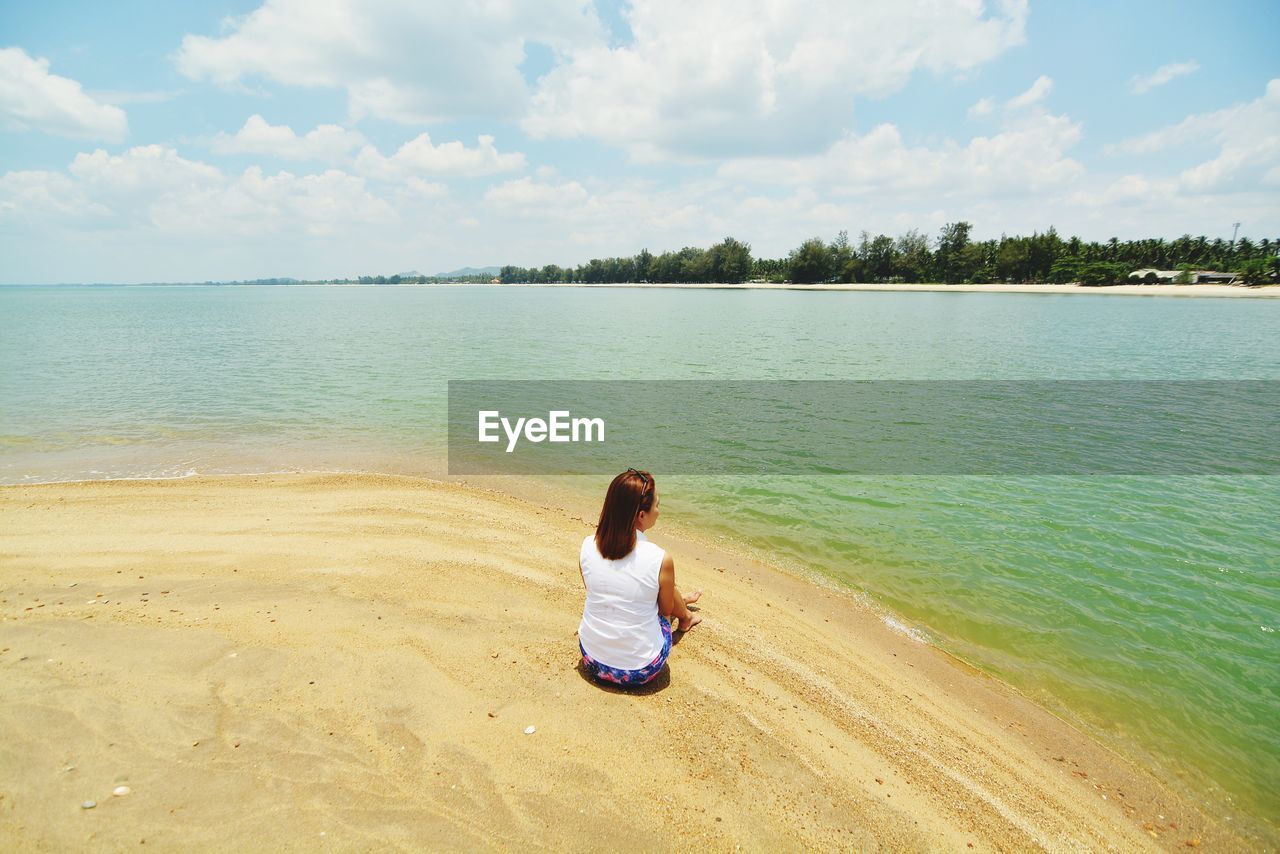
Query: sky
point(193, 141)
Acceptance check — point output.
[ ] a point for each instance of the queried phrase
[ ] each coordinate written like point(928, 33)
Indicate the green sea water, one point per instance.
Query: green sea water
point(1145, 608)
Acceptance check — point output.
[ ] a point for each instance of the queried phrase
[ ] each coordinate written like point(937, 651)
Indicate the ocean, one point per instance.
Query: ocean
point(1144, 608)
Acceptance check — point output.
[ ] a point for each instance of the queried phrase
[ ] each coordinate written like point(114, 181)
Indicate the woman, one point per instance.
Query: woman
point(625, 633)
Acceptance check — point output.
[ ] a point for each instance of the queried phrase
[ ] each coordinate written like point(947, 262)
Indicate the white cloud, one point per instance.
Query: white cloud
point(255, 203)
point(33, 99)
point(1137, 206)
point(529, 197)
point(39, 195)
point(1142, 84)
point(152, 189)
point(1032, 96)
point(334, 144)
point(150, 214)
point(1248, 140)
point(567, 222)
point(724, 76)
point(143, 171)
point(420, 156)
point(411, 61)
point(1026, 156)
point(1126, 190)
point(328, 143)
point(982, 107)
point(418, 188)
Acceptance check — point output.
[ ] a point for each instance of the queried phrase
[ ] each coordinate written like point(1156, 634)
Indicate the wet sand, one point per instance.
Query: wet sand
point(350, 662)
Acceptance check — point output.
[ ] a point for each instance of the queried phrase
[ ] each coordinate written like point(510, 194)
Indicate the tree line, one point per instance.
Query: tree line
point(397, 279)
point(953, 258)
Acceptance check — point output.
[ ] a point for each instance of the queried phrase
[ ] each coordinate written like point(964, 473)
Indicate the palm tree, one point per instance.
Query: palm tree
point(1245, 249)
point(1161, 254)
point(1200, 249)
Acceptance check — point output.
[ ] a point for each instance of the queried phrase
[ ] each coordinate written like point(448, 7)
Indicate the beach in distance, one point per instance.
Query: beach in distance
point(1206, 290)
point(1198, 290)
point(390, 663)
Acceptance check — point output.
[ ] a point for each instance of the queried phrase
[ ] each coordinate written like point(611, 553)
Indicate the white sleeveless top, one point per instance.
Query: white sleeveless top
point(619, 625)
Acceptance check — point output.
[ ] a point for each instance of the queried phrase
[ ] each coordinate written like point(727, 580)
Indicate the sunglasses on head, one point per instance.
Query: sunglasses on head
point(643, 477)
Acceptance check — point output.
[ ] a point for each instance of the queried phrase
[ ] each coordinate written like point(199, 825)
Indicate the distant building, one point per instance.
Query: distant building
point(495, 281)
point(1198, 277)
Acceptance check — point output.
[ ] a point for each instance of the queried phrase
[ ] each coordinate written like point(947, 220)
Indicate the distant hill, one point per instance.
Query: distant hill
point(412, 274)
point(470, 271)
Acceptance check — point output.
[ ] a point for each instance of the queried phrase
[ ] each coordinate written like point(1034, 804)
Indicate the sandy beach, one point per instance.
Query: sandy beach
point(350, 662)
point(1114, 290)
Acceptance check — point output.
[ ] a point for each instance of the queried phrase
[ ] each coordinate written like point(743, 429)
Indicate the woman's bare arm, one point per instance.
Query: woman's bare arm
point(670, 602)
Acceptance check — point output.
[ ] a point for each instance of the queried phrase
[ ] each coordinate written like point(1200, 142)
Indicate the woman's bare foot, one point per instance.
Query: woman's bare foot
point(693, 597)
point(689, 622)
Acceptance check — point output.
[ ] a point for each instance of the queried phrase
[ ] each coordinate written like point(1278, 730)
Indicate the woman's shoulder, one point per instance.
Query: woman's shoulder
point(651, 549)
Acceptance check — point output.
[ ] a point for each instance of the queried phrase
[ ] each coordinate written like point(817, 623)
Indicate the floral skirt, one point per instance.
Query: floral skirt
point(605, 673)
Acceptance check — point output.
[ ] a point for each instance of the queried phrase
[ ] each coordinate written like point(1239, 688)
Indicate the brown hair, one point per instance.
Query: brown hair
point(629, 493)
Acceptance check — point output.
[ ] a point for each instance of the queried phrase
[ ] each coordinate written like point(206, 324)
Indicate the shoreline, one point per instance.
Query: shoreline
point(1263, 292)
point(790, 697)
point(1165, 290)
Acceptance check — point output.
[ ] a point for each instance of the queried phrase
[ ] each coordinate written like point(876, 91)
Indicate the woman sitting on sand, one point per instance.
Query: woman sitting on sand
point(625, 633)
